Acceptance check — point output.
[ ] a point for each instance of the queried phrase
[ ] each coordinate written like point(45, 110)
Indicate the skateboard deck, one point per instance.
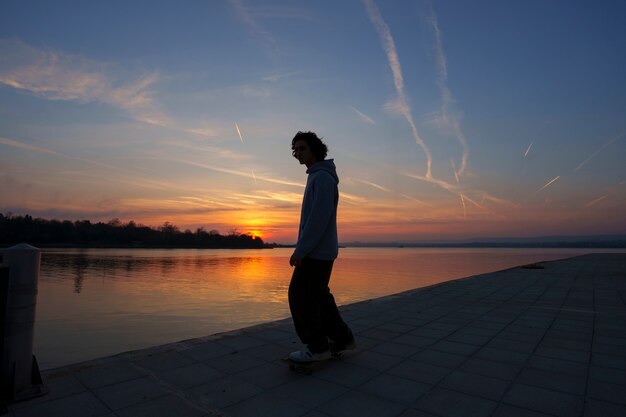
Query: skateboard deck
point(307, 368)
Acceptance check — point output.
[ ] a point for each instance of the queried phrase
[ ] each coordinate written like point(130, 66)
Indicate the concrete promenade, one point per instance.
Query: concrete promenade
point(518, 342)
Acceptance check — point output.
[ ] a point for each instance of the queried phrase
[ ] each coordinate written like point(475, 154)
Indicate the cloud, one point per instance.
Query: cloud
point(408, 197)
point(236, 172)
point(56, 75)
point(277, 76)
point(280, 13)
point(221, 153)
point(250, 17)
point(129, 176)
point(254, 91)
point(273, 196)
point(352, 198)
point(202, 131)
point(374, 185)
point(463, 192)
point(440, 183)
point(399, 105)
point(16, 144)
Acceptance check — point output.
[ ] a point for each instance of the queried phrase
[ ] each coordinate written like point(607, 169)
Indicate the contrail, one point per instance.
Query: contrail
point(239, 132)
point(443, 184)
point(464, 208)
point(591, 203)
point(371, 184)
point(363, 116)
point(528, 150)
point(253, 176)
point(247, 16)
point(408, 197)
point(447, 100)
point(141, 182)
point(583, 163)
point(352, 198)
point(472, 201)
point(234, 172)
point(16, 144)
point(456, 189)
point(547, 184)
point(456, 175)
point(400, 105)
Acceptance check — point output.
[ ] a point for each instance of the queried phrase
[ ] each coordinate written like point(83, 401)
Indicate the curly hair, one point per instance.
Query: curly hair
point(319, 148)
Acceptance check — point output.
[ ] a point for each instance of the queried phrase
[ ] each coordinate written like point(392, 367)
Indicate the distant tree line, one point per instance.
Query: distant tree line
point(66, 233)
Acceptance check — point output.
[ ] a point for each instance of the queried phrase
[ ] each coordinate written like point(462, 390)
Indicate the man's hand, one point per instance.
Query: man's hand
point(295, 260)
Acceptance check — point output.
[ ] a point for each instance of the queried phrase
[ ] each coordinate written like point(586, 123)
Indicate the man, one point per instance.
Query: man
point(315, 315)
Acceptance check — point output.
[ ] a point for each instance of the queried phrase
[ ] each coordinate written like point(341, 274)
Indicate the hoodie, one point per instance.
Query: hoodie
point(317, 234)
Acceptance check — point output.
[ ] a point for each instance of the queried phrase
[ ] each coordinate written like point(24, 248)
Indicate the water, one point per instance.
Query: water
point(99, 302)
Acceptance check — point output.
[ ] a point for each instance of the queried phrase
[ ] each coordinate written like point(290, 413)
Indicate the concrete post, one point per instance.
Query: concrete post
point(17, 365)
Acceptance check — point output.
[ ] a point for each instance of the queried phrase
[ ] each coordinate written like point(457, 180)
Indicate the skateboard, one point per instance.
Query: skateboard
point(533, 266)
point(307, 368)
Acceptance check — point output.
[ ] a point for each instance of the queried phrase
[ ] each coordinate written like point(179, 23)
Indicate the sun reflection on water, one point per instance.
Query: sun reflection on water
point(97, 302)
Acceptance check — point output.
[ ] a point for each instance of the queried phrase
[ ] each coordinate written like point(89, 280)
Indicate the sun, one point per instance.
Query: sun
point(255, 233)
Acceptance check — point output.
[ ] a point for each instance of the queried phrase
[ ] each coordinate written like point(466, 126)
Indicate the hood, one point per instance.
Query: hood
point(327, 165)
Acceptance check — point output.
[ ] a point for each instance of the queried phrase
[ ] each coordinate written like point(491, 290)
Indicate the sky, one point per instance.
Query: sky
point(447, 120)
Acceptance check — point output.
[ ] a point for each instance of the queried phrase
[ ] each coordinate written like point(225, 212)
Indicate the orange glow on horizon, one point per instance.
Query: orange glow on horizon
point(435, 216)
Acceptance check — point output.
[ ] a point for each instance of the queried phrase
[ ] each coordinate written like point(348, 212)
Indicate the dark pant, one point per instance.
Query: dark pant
point(315, 314)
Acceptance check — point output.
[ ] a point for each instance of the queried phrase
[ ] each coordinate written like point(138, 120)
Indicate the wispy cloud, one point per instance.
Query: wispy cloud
point(236, 172)
point(399, 105)
point(278, 76)
point(352, 198)
point(408, 197)
point(463, 204)
point(363, 116)
point(16, 144)
point(269, 12)
point(374, 185)
point(447, 117)
point(222, 154)
point(59, 76)
point(462, 192)
point(272, 197)
point(127, 176)
point(248, 15)
point(454, 188)
point(55, 75)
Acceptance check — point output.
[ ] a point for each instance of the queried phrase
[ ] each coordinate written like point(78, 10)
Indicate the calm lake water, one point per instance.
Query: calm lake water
point(99, 302)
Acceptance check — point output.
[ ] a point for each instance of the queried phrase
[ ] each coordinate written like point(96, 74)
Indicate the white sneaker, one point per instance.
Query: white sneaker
point(307, 356)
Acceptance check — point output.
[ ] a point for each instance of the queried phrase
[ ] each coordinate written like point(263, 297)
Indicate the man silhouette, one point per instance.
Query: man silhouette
point(315, 315)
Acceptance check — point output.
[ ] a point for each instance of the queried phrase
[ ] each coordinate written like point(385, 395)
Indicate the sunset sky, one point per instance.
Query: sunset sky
point(446, 119)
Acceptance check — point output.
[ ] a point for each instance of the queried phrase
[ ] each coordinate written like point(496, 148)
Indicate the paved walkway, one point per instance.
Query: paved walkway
point(519, 342)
